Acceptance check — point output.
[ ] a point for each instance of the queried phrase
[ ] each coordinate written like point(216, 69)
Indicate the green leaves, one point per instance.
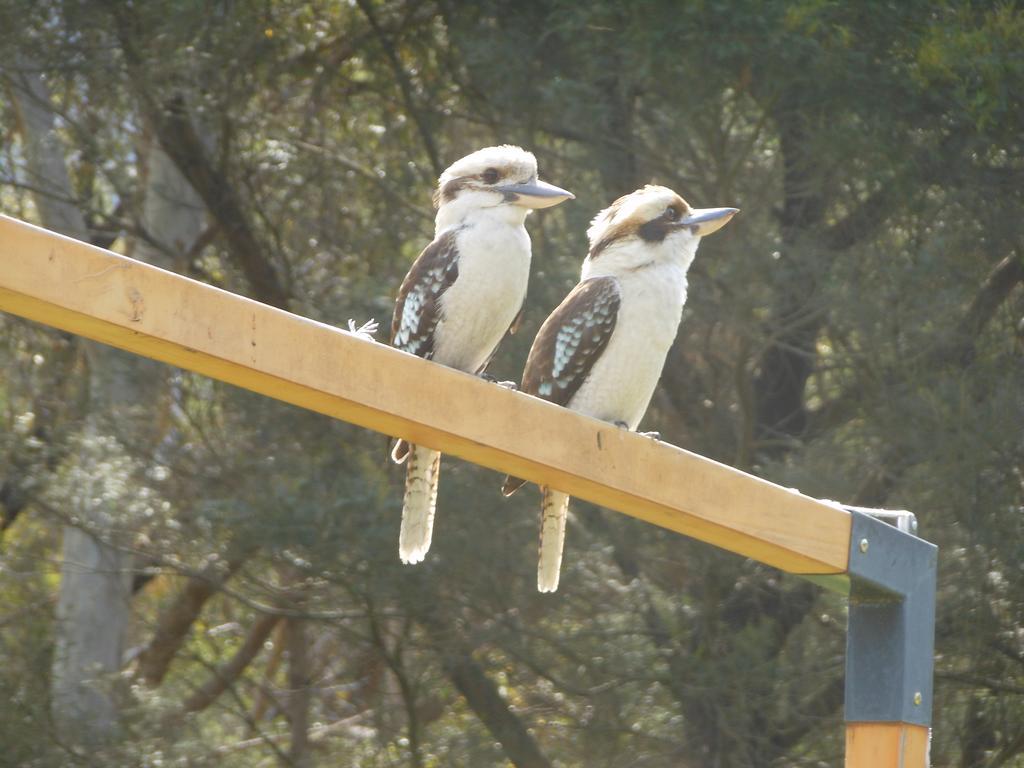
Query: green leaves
point(875, 149)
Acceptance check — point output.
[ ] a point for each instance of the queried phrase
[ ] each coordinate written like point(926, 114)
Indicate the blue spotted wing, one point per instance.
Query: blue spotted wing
point(569, 344)
point(418, 306)
point(571, 340)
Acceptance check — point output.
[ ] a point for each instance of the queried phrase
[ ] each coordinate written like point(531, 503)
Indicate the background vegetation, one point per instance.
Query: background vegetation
point(221, 570)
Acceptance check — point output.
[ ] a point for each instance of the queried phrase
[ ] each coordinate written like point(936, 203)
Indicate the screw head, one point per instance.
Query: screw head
point(863, 545)
point(918, 698)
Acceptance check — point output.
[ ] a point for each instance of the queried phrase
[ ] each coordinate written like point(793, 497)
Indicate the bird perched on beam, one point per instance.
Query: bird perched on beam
point(602, 350)
point(464, 293)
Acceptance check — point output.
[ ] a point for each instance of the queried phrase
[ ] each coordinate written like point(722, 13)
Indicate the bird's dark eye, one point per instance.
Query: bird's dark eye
point(672, 213)
point(490, 176)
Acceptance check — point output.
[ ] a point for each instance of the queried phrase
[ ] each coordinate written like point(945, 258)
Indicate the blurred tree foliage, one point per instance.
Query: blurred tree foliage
point(856, 333)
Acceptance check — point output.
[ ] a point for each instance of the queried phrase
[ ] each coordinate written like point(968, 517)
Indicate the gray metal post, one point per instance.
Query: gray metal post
point(891, 635)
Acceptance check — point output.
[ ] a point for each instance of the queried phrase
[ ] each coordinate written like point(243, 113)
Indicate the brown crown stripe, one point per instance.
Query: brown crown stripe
point(450, 190)
point(431, 275)
point(653, 230)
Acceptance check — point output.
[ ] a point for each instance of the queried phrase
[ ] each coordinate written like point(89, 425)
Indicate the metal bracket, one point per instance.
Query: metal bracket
point(890, 639)
point(903, 519)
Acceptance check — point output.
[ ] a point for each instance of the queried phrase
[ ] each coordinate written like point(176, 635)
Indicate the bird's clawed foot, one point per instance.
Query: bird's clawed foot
point(621, 425)
point(506, 384)
point(364, 331)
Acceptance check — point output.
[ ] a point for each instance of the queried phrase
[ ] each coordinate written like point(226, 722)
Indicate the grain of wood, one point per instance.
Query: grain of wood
point(103, 296)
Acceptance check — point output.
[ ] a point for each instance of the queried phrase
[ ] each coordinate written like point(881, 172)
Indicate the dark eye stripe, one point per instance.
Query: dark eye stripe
point(490, 176)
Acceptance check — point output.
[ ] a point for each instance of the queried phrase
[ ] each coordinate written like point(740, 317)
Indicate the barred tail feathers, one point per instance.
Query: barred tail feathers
point(554, 508)
point(421, 475)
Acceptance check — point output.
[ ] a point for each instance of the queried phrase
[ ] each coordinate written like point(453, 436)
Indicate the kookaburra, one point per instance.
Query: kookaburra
point(602, 350)
point(464, 293)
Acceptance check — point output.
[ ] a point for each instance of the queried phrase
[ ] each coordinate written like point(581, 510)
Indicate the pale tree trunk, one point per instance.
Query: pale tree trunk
point(45, 170)
point(92, 615)
point(92, 608)
point(95, 588)
point(172, 214)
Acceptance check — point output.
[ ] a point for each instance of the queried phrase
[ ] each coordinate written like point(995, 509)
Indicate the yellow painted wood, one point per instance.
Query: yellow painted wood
point(886, 745)
point(103, 296)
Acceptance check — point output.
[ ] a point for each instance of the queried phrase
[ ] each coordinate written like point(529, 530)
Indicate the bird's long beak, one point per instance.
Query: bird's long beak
point(707, 220)
point(535, 194)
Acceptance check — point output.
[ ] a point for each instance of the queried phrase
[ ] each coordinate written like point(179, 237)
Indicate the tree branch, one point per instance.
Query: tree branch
point(480, 692)
point(299, 694)
point(369, 174)
point(956, 348)
point(482, 696)
point(176, 620)
point(1000, 282)
point(995, 686)
point(864, 220)
point(226, 674)
point(264, 698)
point(405, 85)
point(178, 137)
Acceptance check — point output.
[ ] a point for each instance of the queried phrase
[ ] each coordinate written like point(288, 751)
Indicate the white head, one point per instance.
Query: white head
point(649, 227)
point(501, 181)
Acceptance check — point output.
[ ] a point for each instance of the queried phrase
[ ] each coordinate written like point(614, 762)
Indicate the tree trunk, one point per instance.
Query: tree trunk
point(92, 609)
point(299, 693)
point(786, 365)
point(93, 604)
point(92, 615)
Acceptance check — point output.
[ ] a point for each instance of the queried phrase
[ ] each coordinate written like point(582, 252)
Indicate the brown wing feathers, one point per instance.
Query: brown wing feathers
point(418, 306)
point(568, 345)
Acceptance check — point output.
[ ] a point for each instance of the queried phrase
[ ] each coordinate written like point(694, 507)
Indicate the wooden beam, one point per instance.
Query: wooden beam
point(887, 745)
point(103, 296)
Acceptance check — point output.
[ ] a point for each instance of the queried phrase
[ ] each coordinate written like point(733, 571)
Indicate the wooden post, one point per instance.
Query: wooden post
point(890, 641)
point(887, 745)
